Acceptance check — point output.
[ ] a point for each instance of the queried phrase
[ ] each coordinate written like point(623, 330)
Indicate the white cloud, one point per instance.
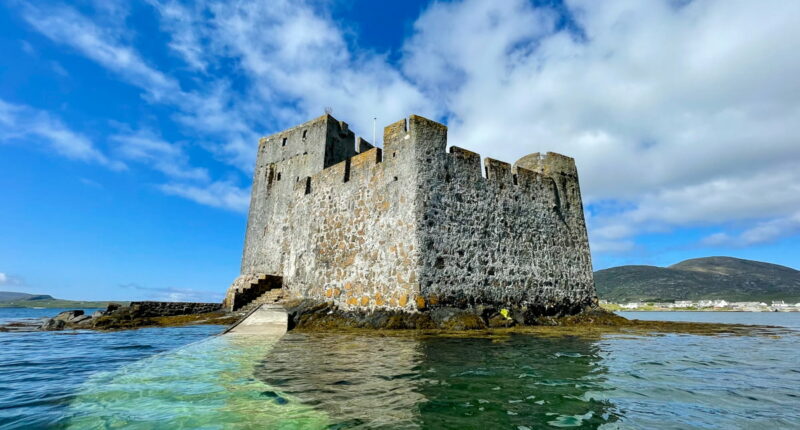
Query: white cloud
point(66, 25)
point(688, 114)
point(174, 294)
point(7, 280)
point(727, 199)
point(210, 111)
point(683, 114)
point(23, 123)
point(763, 232)
point(219, 194)
point(169, 158)
point(296, 62)
point(186, 40)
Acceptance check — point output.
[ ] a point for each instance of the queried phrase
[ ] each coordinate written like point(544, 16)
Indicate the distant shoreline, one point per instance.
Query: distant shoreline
point(701, 310)
point(613, 307)
point(56, 304)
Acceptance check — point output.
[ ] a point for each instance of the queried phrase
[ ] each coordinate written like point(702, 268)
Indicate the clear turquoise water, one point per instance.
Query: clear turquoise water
point(188, 378)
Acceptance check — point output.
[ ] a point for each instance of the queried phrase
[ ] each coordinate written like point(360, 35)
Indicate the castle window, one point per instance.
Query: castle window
point(283, 142)
point(305, 132)
point(347, 170)
point(279, 176)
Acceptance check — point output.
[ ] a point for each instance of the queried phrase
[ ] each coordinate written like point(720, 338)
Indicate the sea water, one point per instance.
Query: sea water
point(190, 378)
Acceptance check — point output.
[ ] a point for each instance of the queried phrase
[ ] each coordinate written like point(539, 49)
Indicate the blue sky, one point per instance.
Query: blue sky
point(128, 129)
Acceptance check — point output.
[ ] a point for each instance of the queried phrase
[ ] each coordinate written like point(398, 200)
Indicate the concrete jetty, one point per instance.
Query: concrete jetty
point(267, 319)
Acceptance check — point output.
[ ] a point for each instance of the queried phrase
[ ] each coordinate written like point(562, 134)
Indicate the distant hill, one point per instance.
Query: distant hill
point(10, 295)
point(728, 278)
point(10, 299)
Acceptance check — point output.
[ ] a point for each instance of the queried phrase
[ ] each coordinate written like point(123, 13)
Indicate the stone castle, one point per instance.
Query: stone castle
point(411, 226)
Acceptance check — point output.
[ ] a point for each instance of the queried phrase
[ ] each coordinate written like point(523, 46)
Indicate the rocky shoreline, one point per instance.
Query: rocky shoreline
point(315, 315)
point(311, 316)
point(135, 315)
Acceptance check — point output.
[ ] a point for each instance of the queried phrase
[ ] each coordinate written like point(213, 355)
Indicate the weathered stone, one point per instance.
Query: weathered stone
point(414, 228)
point(53, 324)
point(165, 309)
point(67, 316)
point(80, 320)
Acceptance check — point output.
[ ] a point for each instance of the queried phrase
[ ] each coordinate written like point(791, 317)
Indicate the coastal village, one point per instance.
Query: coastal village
point(704, 305)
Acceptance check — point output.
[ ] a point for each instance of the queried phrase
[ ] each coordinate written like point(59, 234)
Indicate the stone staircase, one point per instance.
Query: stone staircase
point(252, 288)
point(274, 295)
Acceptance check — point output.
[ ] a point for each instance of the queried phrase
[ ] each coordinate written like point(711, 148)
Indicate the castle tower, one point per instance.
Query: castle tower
point(283, 159)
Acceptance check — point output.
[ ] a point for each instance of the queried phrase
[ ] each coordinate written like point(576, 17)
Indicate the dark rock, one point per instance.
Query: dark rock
point(68, 315)
point(311, 315)
point(80, 320)
point(498, 320)
point(112, 307)
point(53, 324)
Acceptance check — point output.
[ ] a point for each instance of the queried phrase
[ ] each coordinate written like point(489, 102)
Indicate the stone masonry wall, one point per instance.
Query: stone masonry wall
point(516, 237)
point(352, 239)
point(166, 309)
point(283, 159)
point(412, 226)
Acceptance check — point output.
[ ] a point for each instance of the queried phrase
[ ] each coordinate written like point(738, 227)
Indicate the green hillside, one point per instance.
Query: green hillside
point(728, 278)
point(10, 299)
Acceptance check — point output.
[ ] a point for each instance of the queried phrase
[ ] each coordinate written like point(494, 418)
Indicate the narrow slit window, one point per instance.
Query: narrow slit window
point(283, 142)
point(347, 170)
point(305, 133)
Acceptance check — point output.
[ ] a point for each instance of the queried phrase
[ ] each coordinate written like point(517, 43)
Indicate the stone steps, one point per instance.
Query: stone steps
point(272, 296)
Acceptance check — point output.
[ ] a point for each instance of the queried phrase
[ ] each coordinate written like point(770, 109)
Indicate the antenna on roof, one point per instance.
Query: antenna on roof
point(328, 110)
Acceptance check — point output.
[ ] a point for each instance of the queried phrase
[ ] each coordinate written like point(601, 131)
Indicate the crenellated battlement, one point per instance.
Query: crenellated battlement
point(414, 224)
point(550, 164)
point(408, 140)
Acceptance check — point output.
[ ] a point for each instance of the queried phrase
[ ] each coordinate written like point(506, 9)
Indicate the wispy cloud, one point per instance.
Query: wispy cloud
point(21, 123)
point(7, 280)
point(64, 24)
point(173, 294)
point(219, 194)
point(648, 97)
point(210, 111)
point(295, 59)
point(763, 232)
point(145, 146)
